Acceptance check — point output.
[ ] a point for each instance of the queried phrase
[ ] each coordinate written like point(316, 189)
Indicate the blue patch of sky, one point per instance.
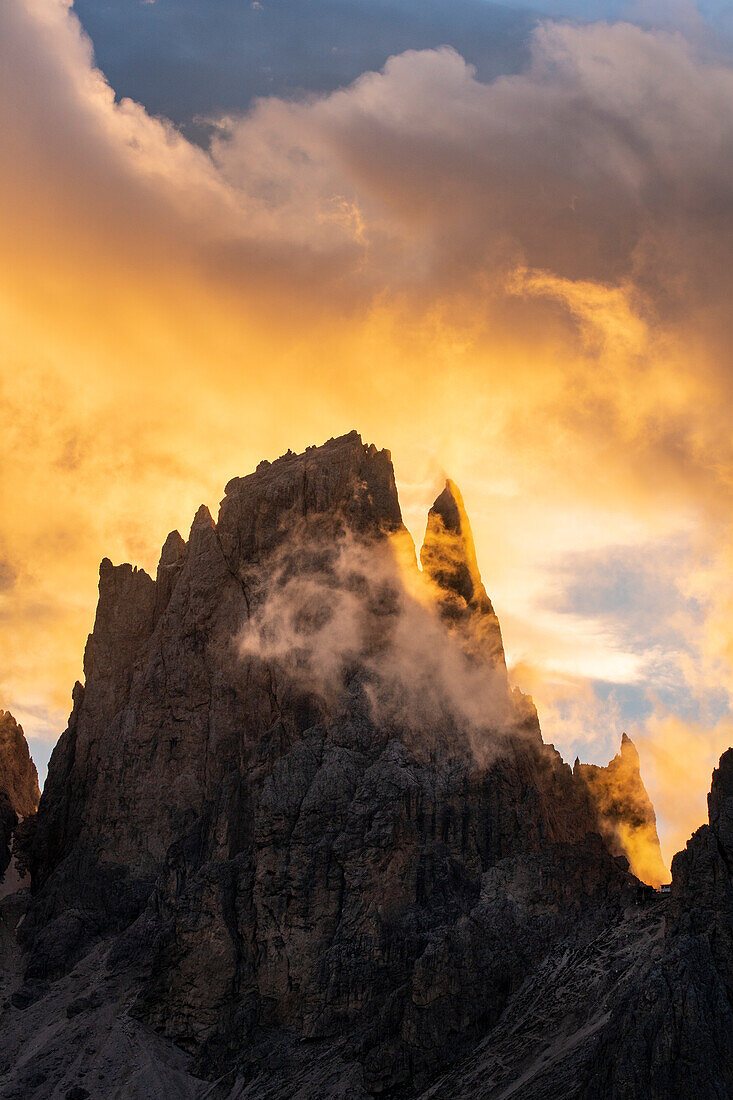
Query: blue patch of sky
point(195, 58)
point(49, 724)
point(635, 595)
point(585, 10)
point(718, 13)
point(41, 753)
point(635, 591)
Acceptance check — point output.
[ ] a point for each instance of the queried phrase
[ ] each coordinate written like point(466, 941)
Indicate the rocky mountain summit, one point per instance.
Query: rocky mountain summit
point(301, 838)
point(626, 816)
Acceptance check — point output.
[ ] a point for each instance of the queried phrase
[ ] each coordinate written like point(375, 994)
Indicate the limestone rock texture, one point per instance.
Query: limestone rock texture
point(301, 838)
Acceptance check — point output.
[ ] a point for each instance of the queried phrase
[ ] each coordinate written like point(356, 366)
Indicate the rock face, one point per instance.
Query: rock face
point(642, 1009)
point(300, 838)
point(19, 792)
point(8, 822)
point(626, 816)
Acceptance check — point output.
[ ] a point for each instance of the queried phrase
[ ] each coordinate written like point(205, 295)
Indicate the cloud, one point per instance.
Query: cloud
point(523, 282)
point(327, 609)
point(678, 758)
point(184, 61)
point(556, 167)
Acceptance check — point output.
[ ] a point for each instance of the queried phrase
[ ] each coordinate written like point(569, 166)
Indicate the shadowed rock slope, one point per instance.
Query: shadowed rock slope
point(643, 1010)
point(300, 837)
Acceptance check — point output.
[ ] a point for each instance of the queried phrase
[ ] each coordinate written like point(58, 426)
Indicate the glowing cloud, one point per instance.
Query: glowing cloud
point(525, 282)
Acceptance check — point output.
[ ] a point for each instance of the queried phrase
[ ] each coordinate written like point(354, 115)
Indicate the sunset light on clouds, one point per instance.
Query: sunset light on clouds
point(519, 278)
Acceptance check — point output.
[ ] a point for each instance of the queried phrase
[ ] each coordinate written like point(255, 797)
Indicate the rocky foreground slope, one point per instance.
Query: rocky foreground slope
point(301, 839)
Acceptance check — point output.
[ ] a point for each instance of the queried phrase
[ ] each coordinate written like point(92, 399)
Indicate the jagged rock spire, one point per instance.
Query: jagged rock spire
point(702, 873)
point(625, 813)
point(172, 558)
point(448, 552)
point(18, 775)
point(448, 558)
point(269, 874)
point(19, 792)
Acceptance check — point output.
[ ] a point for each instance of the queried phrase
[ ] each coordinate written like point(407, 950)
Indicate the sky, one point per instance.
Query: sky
point(494, 240)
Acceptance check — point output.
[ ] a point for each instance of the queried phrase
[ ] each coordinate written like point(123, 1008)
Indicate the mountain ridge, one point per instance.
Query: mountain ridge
point(300, 835)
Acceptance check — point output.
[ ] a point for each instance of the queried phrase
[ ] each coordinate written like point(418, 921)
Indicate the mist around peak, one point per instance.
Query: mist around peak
point(360, 610)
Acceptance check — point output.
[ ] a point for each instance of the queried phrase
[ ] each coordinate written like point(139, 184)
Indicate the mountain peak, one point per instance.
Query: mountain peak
point(18, 775)
point(448, 554)
point(173, 551)
point(449, 504)
point(19, 793)
point(342, 482)
point(349, 892)
point(625, 813)
point(629, 753)
point(448, 559)
point(202, 519)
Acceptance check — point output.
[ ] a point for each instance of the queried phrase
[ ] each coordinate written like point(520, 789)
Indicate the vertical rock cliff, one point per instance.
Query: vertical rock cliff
point(641, 1009)
point(671, 1031)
